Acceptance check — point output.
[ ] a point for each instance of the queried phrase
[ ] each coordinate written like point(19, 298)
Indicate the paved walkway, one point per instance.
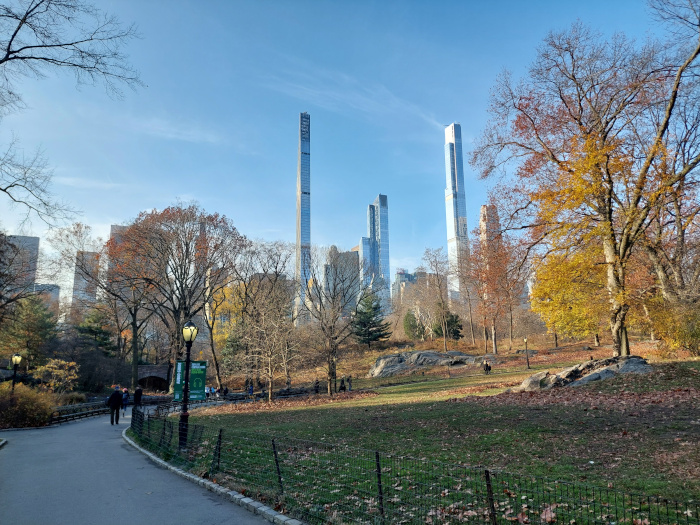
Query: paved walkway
point(84, 473)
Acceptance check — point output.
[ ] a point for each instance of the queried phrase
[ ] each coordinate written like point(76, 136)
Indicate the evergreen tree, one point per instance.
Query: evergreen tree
point(454, 327)
point(412, 327)
point(32, 326)
point(368, 322)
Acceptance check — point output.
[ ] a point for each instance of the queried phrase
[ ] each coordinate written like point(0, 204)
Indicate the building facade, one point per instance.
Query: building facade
point(24, 260)
point(84, 288)
point(402, 280)
point(374, 250)
point(303, 246)
point(455, 208)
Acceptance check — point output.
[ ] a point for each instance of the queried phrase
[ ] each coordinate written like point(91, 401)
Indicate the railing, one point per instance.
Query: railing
point(78, 411)
point(325, 483)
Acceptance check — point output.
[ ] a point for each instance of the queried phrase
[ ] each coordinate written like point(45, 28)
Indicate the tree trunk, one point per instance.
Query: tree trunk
point(486, 338)
point(556, 340)
point(471, 321)
point(510, 312)
point(619, 331)
point(596, 340)
point(217, 373)
point(134, 352)
point(494, 344)
point(443, 321)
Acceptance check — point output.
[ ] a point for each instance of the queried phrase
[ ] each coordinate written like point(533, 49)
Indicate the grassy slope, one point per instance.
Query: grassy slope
point(618, 433)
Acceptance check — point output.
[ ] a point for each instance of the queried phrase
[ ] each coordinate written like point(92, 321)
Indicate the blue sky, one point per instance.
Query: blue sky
point(226, 80)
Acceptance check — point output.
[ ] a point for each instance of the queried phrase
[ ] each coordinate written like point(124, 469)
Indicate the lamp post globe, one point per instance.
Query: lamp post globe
point(16, 360)
point(189, 334)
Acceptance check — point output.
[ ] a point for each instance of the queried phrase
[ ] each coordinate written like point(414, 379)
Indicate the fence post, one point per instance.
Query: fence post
point(277, 464)
point(489, 492)
point(379, 484)
point(216, 458)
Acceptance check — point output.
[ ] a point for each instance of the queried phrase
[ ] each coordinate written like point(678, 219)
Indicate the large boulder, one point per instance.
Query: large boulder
point(405, 362)
point(583, 373)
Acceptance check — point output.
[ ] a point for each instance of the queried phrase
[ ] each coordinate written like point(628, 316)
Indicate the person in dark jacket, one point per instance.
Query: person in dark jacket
point(114, 403)
point(125, 400)
point(137, 396)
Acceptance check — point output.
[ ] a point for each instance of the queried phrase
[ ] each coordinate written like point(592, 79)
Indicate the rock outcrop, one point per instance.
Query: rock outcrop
point(585, 373)
point(406, 362)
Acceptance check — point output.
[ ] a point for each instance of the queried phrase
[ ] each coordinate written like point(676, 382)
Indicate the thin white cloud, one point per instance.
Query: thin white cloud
point(339, 92)
point(185, 132)
point(88, 184)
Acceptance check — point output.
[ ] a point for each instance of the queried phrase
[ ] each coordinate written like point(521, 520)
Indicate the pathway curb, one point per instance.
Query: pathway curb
point(235, 497)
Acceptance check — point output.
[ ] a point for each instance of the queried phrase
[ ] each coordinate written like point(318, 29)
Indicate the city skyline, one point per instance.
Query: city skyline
point(380, 95)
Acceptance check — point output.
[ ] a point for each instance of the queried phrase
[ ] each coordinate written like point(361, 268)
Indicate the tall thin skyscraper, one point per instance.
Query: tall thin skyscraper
point(303, 249)
point(374, 249)
point(455, 207)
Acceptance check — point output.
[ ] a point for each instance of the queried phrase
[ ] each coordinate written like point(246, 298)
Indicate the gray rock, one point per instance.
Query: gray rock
point(585, 373)
point(394, 364)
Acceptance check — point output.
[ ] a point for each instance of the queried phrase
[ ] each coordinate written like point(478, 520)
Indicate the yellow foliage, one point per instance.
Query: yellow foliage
point(569, 293)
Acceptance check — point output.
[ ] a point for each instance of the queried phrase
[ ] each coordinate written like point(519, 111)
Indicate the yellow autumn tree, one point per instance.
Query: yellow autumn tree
point(569, 293)
point(600, 132)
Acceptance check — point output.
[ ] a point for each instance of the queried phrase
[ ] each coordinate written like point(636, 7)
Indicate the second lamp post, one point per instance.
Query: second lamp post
point(189, 333)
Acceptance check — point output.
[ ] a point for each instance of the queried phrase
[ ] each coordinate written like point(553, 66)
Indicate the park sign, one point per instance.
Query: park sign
point(198, 378)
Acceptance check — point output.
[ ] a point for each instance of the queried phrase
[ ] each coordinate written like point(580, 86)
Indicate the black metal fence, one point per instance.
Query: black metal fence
point(325, 483)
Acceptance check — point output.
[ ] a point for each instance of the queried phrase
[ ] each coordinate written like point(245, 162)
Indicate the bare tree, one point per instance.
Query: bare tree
point(41, 35)
point(266, 325)
point(438, 267)
point(332, 294)
point(123, 281)
point(190, 257)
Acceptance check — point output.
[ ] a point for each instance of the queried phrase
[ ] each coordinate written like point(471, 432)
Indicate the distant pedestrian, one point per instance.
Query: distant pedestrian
point(137, 396)
point(115, 404)
point(487, 368)
point(206, 391)
point(316, 387)
point(250, 388)
point(225, 390)
point(349, 383)
point(125, 400)
point(342, 384)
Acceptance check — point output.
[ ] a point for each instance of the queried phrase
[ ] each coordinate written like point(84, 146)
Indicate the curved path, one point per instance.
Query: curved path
point(84, 473)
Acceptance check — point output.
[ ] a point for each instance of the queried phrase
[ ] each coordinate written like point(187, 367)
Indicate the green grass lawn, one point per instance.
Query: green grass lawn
point(607, 434)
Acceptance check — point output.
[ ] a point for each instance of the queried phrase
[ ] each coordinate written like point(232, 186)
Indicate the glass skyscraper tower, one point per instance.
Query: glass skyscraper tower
point(455, 207)
point(303, 249)
point(374, 249)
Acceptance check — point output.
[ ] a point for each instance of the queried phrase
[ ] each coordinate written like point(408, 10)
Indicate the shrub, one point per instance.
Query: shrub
point(25, 408)
point(69, 398)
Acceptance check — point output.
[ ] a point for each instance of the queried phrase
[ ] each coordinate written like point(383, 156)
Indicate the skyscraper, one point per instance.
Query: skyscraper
point(374, 249)
point(455, 207)
point(303, 249)
point(24, 259)
point(84, 287)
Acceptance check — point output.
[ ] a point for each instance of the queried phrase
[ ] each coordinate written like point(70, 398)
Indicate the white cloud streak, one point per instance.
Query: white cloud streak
point(339, 92)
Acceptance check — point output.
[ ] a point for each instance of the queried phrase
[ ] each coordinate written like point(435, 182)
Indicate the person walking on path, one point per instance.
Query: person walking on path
point(125, 400)
point(137, 396)
point(115, 404)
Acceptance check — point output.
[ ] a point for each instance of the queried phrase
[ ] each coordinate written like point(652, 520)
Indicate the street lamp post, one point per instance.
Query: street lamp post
point(527, 354)
point(189, 333)
point(16, 359)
